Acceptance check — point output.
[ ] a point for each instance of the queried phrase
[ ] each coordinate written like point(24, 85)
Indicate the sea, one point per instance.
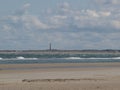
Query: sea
point(57, 58)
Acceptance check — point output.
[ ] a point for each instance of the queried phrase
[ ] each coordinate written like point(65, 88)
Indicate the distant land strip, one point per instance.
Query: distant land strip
point(60, 51)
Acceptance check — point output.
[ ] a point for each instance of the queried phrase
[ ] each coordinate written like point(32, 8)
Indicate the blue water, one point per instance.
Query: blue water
point(57, 58)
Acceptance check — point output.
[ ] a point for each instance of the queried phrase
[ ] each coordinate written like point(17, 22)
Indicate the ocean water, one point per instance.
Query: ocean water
point(57, 58)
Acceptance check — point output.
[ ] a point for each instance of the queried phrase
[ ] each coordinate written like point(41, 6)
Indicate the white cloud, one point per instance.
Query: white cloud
point(108, 2)
point(26, 21)
point(65, 5)
point(21, 19)
point(23, 10)
point(116, 24)
point(6, 27)
point(64, 8)
point(72, 17)
point(32, 21)
point(83, 28)
point(115, 1)
point(58, 21)
point(26, 6)
point(105, 14)
point(92, 13)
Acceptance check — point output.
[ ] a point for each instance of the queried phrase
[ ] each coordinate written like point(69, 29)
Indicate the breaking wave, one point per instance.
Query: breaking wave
point(73, 58)
point(23, 58)
point(20, 57)
point(26, 59)
point(67, 58)
point(91, 58)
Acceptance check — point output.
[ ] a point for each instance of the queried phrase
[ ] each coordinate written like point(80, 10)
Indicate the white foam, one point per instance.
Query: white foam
point(31, 58)
point(1, 58)
point(116, 58)
point(23, 58)
point(91, 58)
point(98, 58)
point(73, 58)
point(20, 57)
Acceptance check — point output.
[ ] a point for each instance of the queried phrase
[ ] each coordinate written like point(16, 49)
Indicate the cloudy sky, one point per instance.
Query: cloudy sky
point(67, 24)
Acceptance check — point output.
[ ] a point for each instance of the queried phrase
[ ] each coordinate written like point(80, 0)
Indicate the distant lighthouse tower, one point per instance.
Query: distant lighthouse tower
point(50, 47)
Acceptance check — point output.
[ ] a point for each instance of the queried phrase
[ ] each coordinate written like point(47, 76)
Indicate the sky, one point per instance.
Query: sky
point(66, 24)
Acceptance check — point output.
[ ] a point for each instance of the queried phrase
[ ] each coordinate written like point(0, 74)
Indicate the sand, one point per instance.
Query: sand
point(84, 76)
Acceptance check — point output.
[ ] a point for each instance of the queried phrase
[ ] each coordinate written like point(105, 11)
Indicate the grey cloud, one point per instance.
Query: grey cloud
point(108, 2)
point(23, 10)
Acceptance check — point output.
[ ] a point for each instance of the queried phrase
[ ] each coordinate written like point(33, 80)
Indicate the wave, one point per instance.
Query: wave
point(23, 58)
point(117, 58)
point(73, 58)
point(67, 58)
point(91, 58)
point(20, 57)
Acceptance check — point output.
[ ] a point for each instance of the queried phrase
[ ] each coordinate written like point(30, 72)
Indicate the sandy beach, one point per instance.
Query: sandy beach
point(79, 76)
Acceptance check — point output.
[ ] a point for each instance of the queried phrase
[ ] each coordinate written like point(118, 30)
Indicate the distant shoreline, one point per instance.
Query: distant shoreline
point(59, 51)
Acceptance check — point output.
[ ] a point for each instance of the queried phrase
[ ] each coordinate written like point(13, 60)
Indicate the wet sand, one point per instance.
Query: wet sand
point(83, 76)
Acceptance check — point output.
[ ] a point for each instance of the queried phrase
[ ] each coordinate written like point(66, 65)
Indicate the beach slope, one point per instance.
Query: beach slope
point(84, 76)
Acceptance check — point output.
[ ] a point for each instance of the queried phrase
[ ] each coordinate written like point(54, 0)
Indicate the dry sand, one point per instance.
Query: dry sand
point(84, 76)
